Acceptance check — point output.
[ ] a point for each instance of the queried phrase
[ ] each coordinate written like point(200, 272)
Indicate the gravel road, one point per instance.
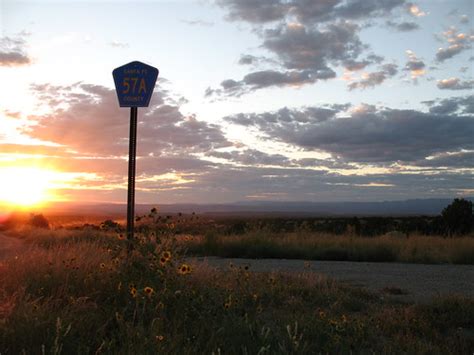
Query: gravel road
point(421, 282)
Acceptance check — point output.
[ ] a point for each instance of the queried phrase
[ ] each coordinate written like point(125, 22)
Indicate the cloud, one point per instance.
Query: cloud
point(198, 23)
point(305, 55)
point(459, 105)
point(87, 119)
point(13, 51)
point(268, 78)
point(455, 84)
point(118, 44)
point(252, 157)
point(457, 160)
point(377, 135)
point(464, 19)
point(414, 10)
point(308, 40)
point(370, 80)
point(458, 42)
point(414, 65)
point(306, 11)
point(404, 26)
point(302, 48)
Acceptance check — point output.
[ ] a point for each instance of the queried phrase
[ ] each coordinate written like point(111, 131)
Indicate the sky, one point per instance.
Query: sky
point(272, 100)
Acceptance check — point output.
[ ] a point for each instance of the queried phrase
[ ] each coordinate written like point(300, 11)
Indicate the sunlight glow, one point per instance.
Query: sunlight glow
point(25, 186)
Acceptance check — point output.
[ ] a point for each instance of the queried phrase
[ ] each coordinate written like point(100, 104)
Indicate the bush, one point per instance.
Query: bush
point(458, 217)
point(39, 221)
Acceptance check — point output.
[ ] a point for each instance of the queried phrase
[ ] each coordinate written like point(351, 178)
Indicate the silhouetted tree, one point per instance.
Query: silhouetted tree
point(457, 217)
point(38, 221)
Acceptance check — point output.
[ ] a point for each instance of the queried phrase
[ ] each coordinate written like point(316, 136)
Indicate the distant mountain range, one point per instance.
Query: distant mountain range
point(293, 208)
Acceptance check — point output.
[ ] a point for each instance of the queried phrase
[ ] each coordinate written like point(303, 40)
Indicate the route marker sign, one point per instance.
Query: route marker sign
point(134, 83)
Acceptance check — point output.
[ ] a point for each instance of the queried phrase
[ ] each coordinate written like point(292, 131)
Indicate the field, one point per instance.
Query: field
point(79, 291)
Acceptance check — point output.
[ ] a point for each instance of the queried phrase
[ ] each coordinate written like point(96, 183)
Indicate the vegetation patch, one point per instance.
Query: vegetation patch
point(83, 293)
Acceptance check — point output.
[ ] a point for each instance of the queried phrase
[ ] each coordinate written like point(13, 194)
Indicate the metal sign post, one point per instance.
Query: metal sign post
point(134, 83)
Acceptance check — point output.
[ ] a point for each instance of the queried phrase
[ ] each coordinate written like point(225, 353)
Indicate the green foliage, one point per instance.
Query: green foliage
point(458, 217)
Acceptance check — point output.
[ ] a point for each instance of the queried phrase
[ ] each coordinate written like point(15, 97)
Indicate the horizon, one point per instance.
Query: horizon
point(255, 102)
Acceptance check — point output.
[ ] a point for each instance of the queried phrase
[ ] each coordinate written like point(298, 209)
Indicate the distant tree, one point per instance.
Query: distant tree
point(38, 221)
point(457, 217)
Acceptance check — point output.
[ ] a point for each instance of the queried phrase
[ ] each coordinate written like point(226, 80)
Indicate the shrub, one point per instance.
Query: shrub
point(458, 217)
point(39, 221)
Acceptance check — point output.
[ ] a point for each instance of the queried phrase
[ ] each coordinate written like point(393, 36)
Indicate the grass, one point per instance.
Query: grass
point(77, 292)
point(314, 246)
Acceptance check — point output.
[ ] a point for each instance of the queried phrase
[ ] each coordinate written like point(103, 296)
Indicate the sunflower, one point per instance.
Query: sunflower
point(133, 292)
point(184, 269)
point(167, 255)
point(163, 261)
point(160, 337)
point(102, 265)
point(148, 291)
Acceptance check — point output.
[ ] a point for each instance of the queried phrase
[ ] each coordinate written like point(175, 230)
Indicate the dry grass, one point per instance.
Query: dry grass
point(415, 249)
point(80, 294)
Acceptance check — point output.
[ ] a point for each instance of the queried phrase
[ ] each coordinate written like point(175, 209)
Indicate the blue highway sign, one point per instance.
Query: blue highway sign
point(134, 83)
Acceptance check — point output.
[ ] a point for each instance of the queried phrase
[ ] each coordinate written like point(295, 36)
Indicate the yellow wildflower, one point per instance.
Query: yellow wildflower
point(133, 292)
point(167, 255)
point(184, 269)
point(148, 291)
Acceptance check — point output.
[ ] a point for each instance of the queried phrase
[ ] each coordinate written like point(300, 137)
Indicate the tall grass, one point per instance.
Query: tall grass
point(261, 244)
point(82, 294)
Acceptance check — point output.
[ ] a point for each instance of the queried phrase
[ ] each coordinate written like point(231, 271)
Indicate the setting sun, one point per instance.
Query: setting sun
point(25, 186)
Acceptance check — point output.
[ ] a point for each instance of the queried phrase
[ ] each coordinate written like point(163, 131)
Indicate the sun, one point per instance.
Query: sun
point(25, 186)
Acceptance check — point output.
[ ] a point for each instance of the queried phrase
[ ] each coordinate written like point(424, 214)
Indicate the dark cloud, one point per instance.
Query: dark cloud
point(455, 84)
point(247, 59)
point(268, 78)
point(373, 79)
point(453, 105)
point(404, 26)
point(448, 160)
point(414, 65)
point(379, 135)
point(13, 52)
point(303, 48)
